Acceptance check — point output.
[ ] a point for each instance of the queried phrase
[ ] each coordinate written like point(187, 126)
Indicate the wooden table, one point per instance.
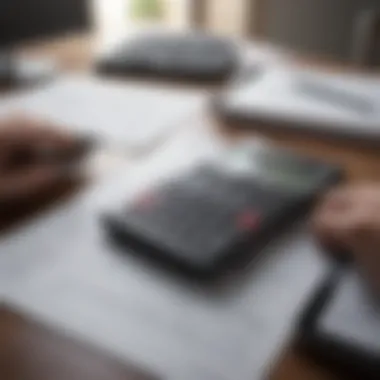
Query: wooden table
point(29, 351)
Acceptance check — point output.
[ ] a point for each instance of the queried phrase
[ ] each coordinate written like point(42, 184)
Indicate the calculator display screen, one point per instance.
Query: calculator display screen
point(285, 169)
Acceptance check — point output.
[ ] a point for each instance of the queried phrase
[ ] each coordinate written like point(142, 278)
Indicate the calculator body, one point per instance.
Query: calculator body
point(215, 218)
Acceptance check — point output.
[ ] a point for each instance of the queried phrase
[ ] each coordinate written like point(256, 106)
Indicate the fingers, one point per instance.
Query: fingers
point(333, 219)
point(32, 155)
point(349, 219)
point(364, 244)
point(35, 137)
point(31, 183)
point(347, 216)
point(48, 135)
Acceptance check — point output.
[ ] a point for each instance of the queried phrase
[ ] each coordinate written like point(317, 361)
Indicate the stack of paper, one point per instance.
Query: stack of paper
point(346, 105)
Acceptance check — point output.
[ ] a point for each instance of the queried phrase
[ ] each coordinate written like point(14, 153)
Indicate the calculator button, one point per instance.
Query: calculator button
point(248, 221)
point(145, 201)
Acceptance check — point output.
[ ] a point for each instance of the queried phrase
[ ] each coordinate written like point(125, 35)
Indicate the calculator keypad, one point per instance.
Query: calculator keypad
point(201, 215)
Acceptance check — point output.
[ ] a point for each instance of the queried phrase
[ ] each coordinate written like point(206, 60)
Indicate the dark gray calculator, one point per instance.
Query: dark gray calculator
point(212, 217)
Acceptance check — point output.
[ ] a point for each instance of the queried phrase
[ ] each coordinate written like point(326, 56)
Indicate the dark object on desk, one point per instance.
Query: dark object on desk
point(15, 73)
point(30, 351)
point(189, 57)
point(341, 326)
point(210, 221)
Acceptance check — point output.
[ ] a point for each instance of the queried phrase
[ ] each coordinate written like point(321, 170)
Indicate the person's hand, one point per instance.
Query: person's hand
point(32, 160)
point(349, 220)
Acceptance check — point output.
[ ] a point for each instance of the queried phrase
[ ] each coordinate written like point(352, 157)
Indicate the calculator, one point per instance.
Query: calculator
point(217, 215)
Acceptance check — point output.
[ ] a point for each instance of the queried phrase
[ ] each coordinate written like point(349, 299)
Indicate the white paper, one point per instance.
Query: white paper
point(81, 285)
point(122, 114)
point(64, 273)
point(178, 332)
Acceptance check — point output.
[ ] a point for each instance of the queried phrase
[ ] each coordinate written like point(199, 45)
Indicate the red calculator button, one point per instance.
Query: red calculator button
point(248, 220)
point(145, 201)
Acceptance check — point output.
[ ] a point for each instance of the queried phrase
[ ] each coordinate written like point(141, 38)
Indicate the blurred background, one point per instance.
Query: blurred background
point(325, 28)
point(341, 30)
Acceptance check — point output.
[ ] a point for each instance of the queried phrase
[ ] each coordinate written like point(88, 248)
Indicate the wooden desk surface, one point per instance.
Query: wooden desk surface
point(29, 351)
